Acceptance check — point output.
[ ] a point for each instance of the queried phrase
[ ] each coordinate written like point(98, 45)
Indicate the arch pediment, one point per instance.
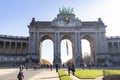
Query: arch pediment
point(67, 36)
point(46, 36)
point(88, 36)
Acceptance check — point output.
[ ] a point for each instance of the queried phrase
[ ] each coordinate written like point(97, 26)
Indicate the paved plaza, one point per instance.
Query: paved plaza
point(31, 74)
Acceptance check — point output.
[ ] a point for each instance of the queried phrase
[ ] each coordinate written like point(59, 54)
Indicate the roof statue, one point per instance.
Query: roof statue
point(65, 10)
point(33, 21)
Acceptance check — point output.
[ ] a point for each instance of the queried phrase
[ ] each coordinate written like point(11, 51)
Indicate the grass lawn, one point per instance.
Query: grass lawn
point(63, 76)
point(88, 74)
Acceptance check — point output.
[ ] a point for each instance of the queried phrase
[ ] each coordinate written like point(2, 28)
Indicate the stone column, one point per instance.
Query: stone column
point(75, 49)
point(59, 47)
point(30, 43)
point(97, 42)
point(34, 43)
point(97, 46)
point(40, 52)
point(2, 46)
point(77, 58)
point(38, 43)
point(118, 47)
point(9, 47)
point(113, 48)
point(27, 45)
point(101, 43)
point(110, 48)
point(55, 50)
point(4, 43)
point(15, 47)
point(38, 47)
point(79, 45)
point(104, 45)
point(21, 48)
point(79, 50)
point(57, 55)
point(98, 35)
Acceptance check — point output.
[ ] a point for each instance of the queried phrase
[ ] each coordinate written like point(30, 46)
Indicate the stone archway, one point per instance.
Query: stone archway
point(91, 40)
point(43, 38)
point(64, 26)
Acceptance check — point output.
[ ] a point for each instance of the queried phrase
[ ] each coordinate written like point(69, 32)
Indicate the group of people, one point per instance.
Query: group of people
point(70, 66)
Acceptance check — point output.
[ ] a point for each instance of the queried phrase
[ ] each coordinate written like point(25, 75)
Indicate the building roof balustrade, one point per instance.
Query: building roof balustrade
point(113, 37)
point(13, 37)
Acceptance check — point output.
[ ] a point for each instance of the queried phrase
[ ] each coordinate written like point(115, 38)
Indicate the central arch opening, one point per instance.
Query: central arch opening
point(66, 51)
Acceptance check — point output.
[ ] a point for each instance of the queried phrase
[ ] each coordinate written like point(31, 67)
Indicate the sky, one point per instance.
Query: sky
point(15, 15)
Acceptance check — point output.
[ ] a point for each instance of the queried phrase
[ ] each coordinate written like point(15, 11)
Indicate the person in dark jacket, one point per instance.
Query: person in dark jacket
point(73, 68)
point(57, 67)
point(20, 75)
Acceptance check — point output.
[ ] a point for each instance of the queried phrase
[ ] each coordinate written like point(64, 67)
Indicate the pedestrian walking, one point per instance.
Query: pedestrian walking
point(51, 67)
point(69, 68)
point(73, 68)
point(20, 75)
point(57, 67)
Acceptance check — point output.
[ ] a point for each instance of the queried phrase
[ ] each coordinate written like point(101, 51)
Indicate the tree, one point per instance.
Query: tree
point(46, 62)
point(87, 58)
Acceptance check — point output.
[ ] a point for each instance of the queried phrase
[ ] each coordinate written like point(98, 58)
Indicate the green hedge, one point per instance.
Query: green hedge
point(63, 76)
point(111, 72)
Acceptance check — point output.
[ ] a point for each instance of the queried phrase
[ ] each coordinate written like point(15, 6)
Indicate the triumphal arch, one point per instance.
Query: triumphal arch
point(16, 50)
point(67, 26)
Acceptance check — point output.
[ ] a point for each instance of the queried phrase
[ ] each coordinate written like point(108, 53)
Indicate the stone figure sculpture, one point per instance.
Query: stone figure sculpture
point(66, 10)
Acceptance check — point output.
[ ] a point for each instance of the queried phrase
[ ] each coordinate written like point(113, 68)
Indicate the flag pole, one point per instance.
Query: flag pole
point(67, 51)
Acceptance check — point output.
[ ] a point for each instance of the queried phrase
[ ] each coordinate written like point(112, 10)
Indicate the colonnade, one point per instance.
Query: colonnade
point(11, 46)
point(13, 50)
point(114, 47)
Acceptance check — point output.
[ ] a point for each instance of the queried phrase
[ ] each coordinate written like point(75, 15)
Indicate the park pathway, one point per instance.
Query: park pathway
point(98, 78)
point(31, 74)
point(46, 75)
point(75, 78)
